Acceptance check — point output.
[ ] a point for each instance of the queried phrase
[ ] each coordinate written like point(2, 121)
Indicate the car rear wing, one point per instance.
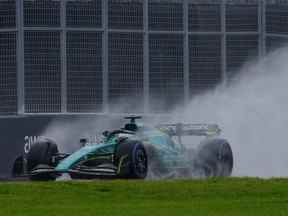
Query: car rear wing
point(180, 129)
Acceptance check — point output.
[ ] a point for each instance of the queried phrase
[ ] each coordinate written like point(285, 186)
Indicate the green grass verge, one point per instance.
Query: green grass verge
point(231, 196)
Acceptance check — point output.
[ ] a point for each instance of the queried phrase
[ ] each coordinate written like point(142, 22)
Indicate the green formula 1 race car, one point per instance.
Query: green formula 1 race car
point(133, 152)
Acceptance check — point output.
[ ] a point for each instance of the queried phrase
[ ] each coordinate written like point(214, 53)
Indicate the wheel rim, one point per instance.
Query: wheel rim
point(140, 162)
point(226, 159)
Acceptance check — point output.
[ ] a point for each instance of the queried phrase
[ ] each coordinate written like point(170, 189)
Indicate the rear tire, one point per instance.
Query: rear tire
point(156, 168)
point(41, 153)
point(131, 160)
point(215, 158)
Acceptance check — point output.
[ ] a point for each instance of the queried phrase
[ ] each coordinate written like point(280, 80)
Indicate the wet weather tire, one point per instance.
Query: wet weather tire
point(131, 160)
point(215, 158)
point(41, 153)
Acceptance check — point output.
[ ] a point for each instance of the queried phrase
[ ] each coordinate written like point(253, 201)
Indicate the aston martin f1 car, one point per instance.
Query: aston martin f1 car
point(133, 152)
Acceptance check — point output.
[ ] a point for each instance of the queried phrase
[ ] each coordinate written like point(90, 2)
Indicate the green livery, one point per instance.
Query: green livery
point(82, 154)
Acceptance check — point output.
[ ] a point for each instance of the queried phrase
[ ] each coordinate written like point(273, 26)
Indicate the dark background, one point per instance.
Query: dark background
point(12, 133)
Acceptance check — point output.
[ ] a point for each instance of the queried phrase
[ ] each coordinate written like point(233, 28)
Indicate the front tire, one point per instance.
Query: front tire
point(131, 160)
point(41, 153)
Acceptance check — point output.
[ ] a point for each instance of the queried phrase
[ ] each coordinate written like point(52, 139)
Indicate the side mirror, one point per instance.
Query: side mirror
point(106, 133)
